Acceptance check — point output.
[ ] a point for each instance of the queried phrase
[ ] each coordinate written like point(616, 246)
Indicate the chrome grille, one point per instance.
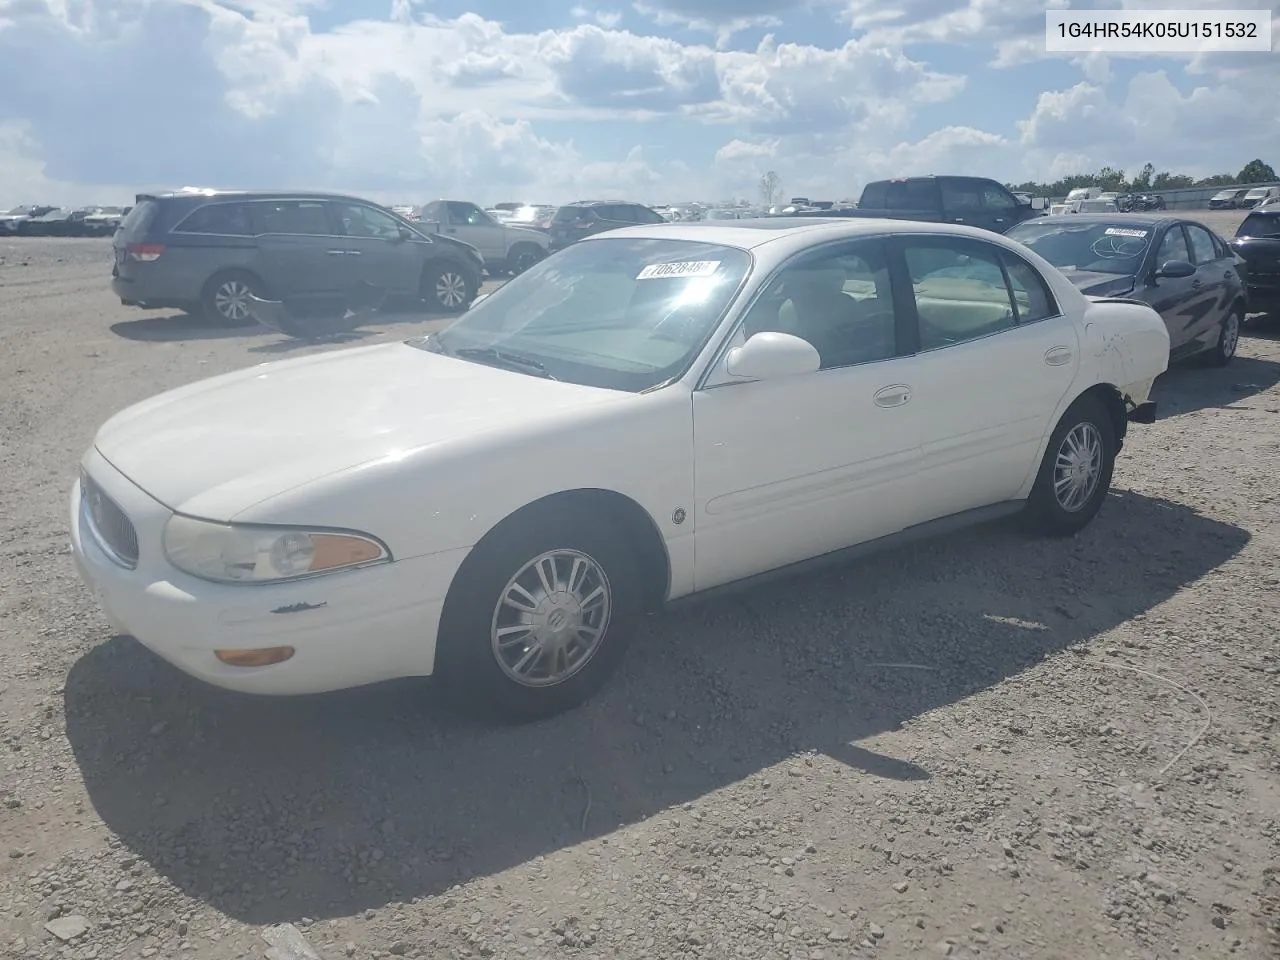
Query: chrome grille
point(110, 526)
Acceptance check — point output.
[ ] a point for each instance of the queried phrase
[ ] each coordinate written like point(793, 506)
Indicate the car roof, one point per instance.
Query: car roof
point(249, 195)
point(749, 234)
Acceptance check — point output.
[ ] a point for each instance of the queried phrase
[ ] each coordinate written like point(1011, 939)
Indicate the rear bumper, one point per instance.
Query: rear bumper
point(1263, 299)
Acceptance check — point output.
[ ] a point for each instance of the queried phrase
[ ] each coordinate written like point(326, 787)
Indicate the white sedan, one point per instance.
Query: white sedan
point(651, 413)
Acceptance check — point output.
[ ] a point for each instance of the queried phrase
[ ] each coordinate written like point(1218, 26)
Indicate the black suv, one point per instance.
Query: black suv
point(206, 252)
point(582, 218)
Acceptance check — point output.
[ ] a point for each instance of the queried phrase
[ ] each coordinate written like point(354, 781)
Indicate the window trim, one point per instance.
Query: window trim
point(1157, 263)
point(713, 375)
point(901, 241)
point(1187, 229)
point(1055, 308)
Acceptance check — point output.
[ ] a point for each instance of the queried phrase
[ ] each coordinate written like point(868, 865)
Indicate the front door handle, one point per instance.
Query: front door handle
point(892, 396)
point(1057, 356)
point(334, 253)
point(354, 253)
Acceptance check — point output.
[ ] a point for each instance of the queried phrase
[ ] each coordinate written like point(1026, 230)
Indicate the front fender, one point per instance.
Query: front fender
point(1127, 344)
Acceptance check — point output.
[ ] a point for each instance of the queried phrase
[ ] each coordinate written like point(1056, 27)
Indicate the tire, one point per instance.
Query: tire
point(1220, 354)
point(1056, 507)
point(223, 303)
point(478, 675)
point(522, 257)
point(448, 287)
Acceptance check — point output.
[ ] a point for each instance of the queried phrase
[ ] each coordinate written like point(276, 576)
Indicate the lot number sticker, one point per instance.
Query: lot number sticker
point(685, 268)
point(1124, 232)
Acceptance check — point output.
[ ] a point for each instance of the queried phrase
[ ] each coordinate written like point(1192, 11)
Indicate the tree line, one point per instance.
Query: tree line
point(1109, 178)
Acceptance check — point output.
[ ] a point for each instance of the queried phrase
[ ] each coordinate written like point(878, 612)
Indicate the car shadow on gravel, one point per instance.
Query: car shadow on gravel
point(276, 809)
point(1188, 387)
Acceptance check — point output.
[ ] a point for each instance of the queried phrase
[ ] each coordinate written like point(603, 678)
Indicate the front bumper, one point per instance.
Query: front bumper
point(348, 629)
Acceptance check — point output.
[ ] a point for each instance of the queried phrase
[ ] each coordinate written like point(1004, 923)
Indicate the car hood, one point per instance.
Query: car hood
point(1099, 284)
point(219, 446)
point(525, 233)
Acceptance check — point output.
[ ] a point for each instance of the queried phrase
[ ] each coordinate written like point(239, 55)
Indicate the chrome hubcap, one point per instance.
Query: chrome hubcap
point(451, 289)
point(1230, 335)
point(231, 299)
point(1078, 467)
point(551, 618)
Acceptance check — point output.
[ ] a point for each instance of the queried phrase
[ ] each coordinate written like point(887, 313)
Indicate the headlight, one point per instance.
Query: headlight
point(234, 553)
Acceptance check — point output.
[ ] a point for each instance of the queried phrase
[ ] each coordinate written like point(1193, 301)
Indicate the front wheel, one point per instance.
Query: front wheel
point(522, 257)
point(537, 620)
point(1220, 354)
point(448, 288)
point(1075, 473)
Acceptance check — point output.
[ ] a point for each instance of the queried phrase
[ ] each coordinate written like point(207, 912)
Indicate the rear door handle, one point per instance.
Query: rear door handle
point(1057, 356)
point(354, 253)
point(892, 396)
point(334, 253)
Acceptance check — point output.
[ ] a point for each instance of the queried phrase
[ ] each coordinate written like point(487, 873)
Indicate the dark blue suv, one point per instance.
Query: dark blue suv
point(206, 252)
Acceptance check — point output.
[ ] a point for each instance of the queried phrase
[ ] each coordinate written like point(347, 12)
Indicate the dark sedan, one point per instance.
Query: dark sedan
point(1178, 266)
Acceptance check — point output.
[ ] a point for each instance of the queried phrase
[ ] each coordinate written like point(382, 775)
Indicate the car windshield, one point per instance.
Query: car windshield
point(620, 313)
point(1096, 246)
point(1261, 225)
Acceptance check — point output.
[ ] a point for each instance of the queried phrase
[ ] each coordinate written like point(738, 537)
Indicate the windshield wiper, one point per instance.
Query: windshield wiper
point(503, 358)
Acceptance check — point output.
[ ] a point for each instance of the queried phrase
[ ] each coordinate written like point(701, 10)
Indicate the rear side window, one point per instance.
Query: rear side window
point(1201, 244)
point(305, 217)
point(1031, 294)
point(135, 226)
point(1265, 225)
point(571, 214)
point(912, 195)
point(227, 219)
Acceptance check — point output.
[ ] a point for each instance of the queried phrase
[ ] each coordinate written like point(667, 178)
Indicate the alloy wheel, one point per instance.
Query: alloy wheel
point(1077, 467)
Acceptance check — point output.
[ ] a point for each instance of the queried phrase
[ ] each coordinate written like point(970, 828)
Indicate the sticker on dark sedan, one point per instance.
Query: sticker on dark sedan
point(1124, 232)
point(684, 268)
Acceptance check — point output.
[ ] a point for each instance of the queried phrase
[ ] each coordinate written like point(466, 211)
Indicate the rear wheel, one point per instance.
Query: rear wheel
point(226, 298)
point(1075, 473)
point(522, 257)
point(538, 618)
point(1220, 354)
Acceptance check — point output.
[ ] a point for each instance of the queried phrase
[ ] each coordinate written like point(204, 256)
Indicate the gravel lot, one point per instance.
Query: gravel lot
point(986, 745)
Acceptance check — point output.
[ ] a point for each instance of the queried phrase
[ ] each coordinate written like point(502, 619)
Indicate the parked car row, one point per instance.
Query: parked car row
point(43, 221)
point(425, 507)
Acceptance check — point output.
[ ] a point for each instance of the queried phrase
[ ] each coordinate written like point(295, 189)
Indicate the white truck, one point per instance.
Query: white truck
point(505, 248)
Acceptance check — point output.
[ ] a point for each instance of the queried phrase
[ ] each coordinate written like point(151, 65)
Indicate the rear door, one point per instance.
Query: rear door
point(300, 254)
point(134, 229)
point(996, 355)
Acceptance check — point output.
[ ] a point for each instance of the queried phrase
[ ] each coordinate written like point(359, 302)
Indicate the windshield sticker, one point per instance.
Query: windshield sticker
point(685, 268)
point(1124, 232)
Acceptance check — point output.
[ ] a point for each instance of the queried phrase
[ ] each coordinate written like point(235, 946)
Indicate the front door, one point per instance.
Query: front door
point(1174, 297)
point(381, 256)
point(1212, 299)
point(996, 358)
point(800, 466)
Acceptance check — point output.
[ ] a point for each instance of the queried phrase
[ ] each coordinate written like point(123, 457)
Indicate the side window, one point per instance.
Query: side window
point(1173, 247)
point(226, 219)
point(960, 291)
point(1031, 295)
point(912, 195)
point(960, 195)
point(839, 300)
point(1202, 245)
point(994, 198)
point(646, 215)
point(304, 217)
point(434, 211)
point(360, 221)
point(467, 215)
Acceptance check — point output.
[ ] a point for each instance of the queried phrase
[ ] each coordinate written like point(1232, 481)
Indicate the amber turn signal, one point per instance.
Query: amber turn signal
point(262, 657)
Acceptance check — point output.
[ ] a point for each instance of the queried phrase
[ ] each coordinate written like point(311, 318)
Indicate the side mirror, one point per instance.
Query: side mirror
point(405, 233)
point(1039, 203)
point(1175, 270)
point(771, 355)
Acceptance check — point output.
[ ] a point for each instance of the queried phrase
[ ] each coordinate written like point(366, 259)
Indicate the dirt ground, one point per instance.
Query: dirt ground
point(986, 745)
